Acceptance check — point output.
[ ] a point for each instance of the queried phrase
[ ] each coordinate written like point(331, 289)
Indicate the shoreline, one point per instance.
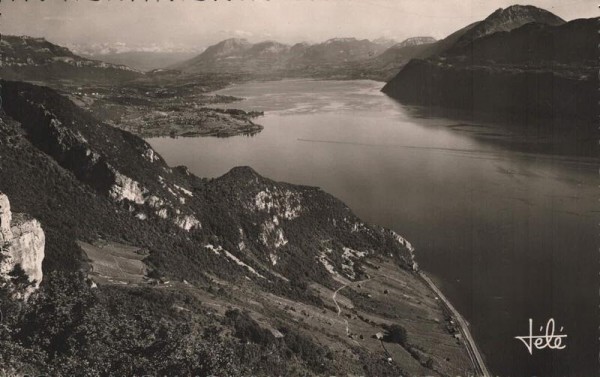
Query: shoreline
point(470, 344)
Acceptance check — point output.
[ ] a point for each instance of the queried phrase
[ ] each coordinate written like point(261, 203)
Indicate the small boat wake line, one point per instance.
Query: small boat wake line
point(442, 149)
point(468, 153)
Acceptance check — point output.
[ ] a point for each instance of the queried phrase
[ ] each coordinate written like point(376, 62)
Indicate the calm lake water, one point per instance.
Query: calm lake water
point(508, 235)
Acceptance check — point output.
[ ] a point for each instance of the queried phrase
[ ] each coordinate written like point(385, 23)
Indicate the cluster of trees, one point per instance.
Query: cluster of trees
point(292, 346)
point(69, 328)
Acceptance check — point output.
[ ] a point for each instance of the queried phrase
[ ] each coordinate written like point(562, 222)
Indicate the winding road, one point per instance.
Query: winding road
point(339, 309)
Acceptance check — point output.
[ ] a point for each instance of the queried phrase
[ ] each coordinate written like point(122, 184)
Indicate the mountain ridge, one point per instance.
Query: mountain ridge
point(507, 19)
point(233, 55)
point(254, 275)
point(29, 58)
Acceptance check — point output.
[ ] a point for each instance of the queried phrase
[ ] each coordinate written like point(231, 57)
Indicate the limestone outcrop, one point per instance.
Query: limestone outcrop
point(22, 242)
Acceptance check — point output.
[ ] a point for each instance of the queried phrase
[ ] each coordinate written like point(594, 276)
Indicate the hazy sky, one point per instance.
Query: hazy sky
point(201, 23)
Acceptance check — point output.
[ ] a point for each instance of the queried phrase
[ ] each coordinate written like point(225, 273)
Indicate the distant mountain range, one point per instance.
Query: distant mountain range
point(107, 48)
point(143, 60)
point(338, 57)
point(238, 55)
point(521, 63)
point(140, 57)
point(38, 59)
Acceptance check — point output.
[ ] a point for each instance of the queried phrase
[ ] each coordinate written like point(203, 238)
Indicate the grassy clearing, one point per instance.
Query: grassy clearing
point(115, 263)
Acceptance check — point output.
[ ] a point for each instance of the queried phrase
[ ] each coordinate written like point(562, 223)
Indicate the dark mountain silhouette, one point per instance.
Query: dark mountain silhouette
point(570, 43)
point(506, 19)
point(522, 64)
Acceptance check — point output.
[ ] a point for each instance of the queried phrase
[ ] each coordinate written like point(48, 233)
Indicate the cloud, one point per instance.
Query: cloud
point(241, 33)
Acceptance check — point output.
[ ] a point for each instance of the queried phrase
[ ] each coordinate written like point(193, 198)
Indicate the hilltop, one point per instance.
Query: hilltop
point(502, 20)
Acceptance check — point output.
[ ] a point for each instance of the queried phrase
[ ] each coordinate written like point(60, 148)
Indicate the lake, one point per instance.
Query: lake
point(507, 234)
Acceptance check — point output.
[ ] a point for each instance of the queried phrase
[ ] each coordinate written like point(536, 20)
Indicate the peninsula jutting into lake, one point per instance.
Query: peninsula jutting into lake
point(298, 189)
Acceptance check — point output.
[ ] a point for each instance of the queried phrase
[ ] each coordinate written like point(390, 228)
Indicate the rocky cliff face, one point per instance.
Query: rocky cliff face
point(273, 226)
point(5, 219)
point(117, 164)
point(22, 242)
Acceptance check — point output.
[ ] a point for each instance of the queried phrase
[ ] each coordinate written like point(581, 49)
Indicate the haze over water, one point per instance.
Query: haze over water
point(509, 235)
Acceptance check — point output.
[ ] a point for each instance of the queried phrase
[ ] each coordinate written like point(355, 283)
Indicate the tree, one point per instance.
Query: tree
point(396, 334)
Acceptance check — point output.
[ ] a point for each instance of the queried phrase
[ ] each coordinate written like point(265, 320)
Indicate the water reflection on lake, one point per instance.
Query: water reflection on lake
point(509, 235)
